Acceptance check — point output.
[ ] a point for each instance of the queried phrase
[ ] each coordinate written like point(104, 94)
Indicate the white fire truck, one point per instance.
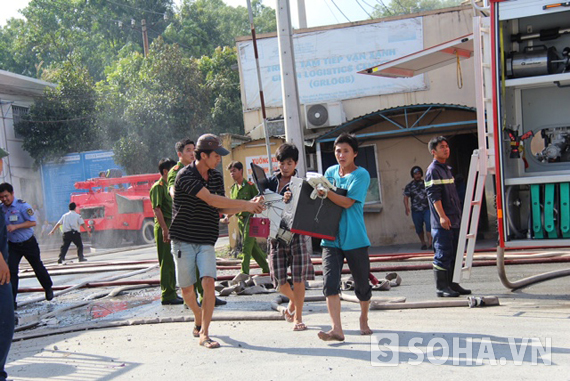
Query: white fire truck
point(522, 75)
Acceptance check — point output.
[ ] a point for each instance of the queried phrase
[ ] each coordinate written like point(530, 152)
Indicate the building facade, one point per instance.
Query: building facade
point(17, 94)
point(393, 118)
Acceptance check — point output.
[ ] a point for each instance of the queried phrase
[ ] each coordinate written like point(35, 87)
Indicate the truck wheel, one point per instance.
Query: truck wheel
point(146, 234)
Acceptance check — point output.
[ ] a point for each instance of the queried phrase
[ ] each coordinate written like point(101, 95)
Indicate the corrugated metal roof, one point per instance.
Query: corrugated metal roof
point(16, 84)
point(360, 122)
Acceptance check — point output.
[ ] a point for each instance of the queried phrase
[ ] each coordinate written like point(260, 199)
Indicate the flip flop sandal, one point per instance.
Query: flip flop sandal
point(196, 330)
point(210, 344)
point(289, 315)
point(300, 327)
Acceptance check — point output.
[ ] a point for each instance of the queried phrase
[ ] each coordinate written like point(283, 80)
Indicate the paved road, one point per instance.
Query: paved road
point(434, 344)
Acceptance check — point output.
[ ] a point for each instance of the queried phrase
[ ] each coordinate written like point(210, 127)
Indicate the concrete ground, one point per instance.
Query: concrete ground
point(428, 343)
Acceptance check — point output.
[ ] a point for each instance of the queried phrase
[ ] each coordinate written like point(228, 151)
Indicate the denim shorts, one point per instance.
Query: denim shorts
point(421, 218)
point(188, 257)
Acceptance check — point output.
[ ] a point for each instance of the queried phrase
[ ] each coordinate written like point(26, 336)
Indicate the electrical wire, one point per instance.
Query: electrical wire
point(330, 9)
point(401, 6)
point(371, 6)
point(179, 43)
point(60, 120)
point(381, 2)
point(365, 11)
point(340, 10)
point(138, 9)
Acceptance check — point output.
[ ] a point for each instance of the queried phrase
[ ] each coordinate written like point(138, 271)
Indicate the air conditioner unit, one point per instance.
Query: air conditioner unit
point(321, 115)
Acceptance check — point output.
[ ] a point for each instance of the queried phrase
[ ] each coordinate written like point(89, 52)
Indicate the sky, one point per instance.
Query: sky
point(319, 12)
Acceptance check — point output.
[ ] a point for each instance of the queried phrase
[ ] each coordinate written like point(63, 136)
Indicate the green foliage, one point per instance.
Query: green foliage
point(13, 57)
point(140, 106)
point(64, 119)
point(222, 81)
point(86, 33)
point(402, 7)
point(203, 25)
point(150, 103)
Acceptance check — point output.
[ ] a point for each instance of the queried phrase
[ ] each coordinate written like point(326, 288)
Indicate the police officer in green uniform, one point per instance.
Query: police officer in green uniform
point(246, 190)
point(185, 151)
point(162, 206)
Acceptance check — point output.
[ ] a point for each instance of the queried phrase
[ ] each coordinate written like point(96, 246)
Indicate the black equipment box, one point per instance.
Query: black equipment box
point(316, 218)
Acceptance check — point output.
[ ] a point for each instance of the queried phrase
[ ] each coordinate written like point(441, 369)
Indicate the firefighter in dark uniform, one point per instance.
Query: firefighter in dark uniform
point(445, 209)
point(20, 221)
point(245, 190)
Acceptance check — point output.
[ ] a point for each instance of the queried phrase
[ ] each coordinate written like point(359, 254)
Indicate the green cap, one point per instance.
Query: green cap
point(3, 153)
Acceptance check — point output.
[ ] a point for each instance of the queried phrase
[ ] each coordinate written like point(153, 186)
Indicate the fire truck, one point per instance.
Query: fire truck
point(117, 208)
point(521, 50)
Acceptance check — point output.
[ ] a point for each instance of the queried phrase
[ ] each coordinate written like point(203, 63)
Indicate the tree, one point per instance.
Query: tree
point(87, 33)
point(64, 119)
point(203, 25)
point(141, 106)
point(401, 7)
point(222, 81)
point(150, 103)
point(12, 58)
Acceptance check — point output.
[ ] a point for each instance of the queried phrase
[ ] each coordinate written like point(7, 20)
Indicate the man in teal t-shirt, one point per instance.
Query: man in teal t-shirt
point(351, 242)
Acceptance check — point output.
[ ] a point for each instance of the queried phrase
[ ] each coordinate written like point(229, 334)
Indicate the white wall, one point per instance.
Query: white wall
point(396, 155)
point(438, 27)
point(18, 166)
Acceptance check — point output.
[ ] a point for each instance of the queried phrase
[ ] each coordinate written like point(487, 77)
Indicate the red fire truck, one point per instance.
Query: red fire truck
point(117, 208)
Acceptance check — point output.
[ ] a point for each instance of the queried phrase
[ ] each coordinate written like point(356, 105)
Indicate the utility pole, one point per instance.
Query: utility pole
point(145, 37)
point(260, 84)
point(293, 129)
point(301, 12)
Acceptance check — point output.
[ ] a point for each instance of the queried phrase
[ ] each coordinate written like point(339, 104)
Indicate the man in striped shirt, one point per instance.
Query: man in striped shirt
point(199, 198)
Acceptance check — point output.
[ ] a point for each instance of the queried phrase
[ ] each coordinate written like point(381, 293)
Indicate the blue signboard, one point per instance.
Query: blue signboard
point(58, 178)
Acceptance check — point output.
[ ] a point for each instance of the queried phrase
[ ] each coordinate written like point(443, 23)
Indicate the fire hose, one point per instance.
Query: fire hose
point(392, 268)
point(525, 281)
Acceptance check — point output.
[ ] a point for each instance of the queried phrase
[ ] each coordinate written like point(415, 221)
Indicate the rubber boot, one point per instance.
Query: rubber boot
point(442, 284)
point(455, 286)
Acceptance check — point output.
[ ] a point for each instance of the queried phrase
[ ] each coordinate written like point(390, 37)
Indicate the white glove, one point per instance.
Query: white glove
point(319, 183)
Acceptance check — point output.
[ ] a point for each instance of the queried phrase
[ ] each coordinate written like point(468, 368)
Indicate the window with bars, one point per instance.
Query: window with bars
point(17, 113)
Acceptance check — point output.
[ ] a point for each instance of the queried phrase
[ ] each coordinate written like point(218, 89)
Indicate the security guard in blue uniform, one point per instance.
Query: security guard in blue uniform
point(20, 221)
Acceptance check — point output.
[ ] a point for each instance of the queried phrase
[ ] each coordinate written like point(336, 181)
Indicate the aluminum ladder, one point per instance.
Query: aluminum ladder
point(483, 159)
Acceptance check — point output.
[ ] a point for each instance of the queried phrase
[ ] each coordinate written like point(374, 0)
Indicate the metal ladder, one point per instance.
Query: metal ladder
point(483, 159)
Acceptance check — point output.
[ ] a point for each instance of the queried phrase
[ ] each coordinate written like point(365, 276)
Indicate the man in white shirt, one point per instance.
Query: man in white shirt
point(71, 222)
